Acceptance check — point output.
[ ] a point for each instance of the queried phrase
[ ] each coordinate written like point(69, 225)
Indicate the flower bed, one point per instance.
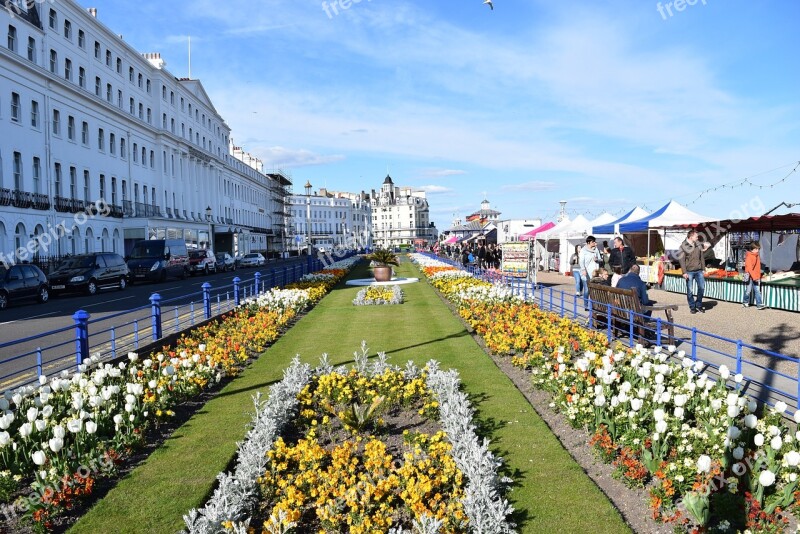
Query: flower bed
point(61, 436)
point(379, 295)
point(342, 463)
point(714, 460)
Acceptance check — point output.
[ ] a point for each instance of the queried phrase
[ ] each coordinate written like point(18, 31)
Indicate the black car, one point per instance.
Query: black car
point(225, 262)
point(87, 273)
point(19, 282)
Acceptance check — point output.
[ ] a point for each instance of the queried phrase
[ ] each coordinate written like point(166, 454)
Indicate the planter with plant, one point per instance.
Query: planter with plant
point(383, 260)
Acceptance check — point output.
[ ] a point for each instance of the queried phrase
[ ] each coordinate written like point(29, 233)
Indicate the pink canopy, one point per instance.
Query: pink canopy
point(450, 240)
point(532, 234)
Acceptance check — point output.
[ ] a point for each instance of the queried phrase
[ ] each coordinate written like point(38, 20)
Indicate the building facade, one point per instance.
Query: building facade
point(100, 146)
point(401, 216)
point(328, 219)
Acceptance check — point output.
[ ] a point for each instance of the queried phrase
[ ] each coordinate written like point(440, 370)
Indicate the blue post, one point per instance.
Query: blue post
point(630, 328)
point(207, 299)
point(191, 308)
point(236, 299)
point(155, 301)
point(113, 342)
point(658, 331)
point(563, 310)
point(608, 321)
point(38, 361)
point(177, 320)
point(551, 298)
point(738, 356)
point(81, 319)
point(257, 283)
point(694, 344)
point(136, 333)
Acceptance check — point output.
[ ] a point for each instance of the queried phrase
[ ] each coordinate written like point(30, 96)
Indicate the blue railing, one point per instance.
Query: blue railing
point(769, 375)
point(114, 335)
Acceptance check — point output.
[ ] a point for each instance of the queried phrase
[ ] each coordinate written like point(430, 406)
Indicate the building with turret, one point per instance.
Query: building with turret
point(401, 217)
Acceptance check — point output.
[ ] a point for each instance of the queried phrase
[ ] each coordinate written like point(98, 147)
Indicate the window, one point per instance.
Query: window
point(53, 61)
point(140, 78)
point(53, 19)
point(164, 92)
point(37, 175)
point(164, 120)
point(97, 85)
point(12, 38)
point(34, 113)
point(124, 190)
point(102, 186)
point(152, 160)
point(164, 159)
point(97, 50)
point(73, 182)
point(141, 111)
point(108, 58)
point(148, 86)
point(109, 92)
point(113, 191)
point(122, 152)
point(119, 98)
point(71, 128)
point(172, 125)
point(86, 185)
point(16, 108)
point(67, 29)
point(144, 156)
point(18, 185)
point(68, 69)
point(119, 66)
point(172, 97)
point(56, 122)
point(182, 104)
point(81, 39)
point(132, 106)
point(57, 186)
point(149, 116)
point(82, 77)
point(85, 133)
point(112, 143)
point(32, 49)
point(101, 139)
point(135, 152)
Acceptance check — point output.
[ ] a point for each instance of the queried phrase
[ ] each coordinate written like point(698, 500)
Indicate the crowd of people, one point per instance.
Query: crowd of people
point(480, 254)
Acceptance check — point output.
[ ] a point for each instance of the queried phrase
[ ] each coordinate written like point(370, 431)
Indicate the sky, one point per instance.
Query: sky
point(606, 105)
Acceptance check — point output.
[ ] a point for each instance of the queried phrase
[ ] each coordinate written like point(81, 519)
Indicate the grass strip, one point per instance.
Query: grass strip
point(551, 491)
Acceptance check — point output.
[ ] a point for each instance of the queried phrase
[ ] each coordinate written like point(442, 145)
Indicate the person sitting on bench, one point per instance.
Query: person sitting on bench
point(632, 280)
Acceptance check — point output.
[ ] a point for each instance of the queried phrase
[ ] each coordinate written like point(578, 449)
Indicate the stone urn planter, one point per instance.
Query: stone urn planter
point(383, 260)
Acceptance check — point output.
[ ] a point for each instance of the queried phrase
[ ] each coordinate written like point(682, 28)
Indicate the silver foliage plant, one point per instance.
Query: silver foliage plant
point(362, 300)
point(236, 495)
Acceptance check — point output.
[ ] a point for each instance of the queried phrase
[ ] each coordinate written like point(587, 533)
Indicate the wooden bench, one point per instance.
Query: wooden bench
point(622, 301)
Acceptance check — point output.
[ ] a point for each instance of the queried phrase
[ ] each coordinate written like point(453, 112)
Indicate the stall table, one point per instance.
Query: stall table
point(779, 294)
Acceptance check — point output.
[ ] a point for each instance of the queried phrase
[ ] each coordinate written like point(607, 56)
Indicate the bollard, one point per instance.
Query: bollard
point(207, 299)
point(738, 356)
point(38, 361)
point(236, 299)
point(81, 318)
point(155, 301)
point(257, 284)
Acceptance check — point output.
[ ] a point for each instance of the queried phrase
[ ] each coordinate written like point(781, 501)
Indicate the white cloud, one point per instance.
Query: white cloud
point(434, 189)
point(281, 157)
point(530, 186)
point(442, 173)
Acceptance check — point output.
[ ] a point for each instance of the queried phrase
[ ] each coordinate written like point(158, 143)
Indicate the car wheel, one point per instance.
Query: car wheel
point(44, 294)
point(91, 287)
point(3, 300)
point(122, 283)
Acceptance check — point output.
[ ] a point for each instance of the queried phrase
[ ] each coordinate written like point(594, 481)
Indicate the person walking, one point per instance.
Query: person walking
point(588, 262)
point(690, 257)
point(576, 270)
point(621, 255)
point(752, 276)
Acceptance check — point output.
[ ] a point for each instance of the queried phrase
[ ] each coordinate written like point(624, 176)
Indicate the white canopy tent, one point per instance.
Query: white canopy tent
point(542, 239)
point(613, 228)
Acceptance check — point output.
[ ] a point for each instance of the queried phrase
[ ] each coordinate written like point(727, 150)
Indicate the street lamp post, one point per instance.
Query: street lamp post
point(308, 217)
point(210, 228)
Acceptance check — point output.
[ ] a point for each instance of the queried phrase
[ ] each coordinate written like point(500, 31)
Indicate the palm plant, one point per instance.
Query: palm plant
point(383, 257)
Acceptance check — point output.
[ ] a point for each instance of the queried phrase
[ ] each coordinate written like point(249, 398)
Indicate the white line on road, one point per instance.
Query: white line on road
point(108, 301)
point(26, 318)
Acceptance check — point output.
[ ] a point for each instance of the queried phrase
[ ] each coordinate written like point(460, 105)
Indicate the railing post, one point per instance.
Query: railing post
point(630, 328)
point(81, 319)
point(694, 343)
point(155, 301)
point(177, 320)
point(609, 321)
point(38, 361)
point(738, 356)
point(257, 283)
point(236, 299)
point(562, 312)
point(207, 299)
point(658, 331)
point(551, 298)
point(113, 342)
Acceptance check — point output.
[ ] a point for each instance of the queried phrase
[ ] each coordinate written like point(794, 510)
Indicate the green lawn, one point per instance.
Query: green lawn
point(551, 492)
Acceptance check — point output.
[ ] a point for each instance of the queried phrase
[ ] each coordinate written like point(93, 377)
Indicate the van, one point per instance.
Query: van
point(155, 260)
point(88, 273)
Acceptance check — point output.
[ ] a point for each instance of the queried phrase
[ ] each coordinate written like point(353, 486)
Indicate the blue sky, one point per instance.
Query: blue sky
point(604, 104)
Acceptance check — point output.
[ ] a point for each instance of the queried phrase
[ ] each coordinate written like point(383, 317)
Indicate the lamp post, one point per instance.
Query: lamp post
point(210, 229)
point(308, 217)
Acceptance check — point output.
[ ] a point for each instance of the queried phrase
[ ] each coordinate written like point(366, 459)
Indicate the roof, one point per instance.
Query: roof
point(669, 215)
point(388, 180)
point(613, 226)
point(543, 228)
point(763, 223)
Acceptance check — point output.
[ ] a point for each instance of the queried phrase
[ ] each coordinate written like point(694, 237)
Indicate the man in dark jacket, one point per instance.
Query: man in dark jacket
point(632, 280)
point(621, 255)
point(690, 257)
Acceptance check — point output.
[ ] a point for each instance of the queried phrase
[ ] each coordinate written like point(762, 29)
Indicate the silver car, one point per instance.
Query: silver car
point(254, 259)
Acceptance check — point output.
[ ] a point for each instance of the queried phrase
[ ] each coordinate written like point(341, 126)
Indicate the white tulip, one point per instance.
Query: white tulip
point(132, 356)
point(56, 444)
point(724, 372)
point(5, 438)
point(766, 478)
point(25, 430)
point(678, 412)
point(600, 401)
point(17, 398)
point(661, 426)
point(91, 427)
point(752, 406)
point(75, 425)
point(738, 453)
point(38, 458)
point(59, 432)
point(4, 404)
point(152, 384)
point(659, 378)
point(733, 432)
point(118, 419)
point(780, 407)
point(6, 420)
point(758, 439)
point(797, 416)
point(129, 408)
point(704, 464)
point(201, 347)
point(658, 414)
point(716, 404)
point(636, 404)
point(733, 411)
point(750, 420)
point(40, 425)
point(680, 400)
point(792, 458)
point(774, 430)
point(732, 399)
point(738, 378)
point(32, 414)
point(776, 443)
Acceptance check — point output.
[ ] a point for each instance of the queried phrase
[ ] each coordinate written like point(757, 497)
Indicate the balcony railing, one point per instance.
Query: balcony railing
point(24, 199)
point(147, 210)
point(117, 211)
point(127, 208)
point(69, 205)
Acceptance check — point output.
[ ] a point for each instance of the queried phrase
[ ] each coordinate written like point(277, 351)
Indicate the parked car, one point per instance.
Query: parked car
point(156, 259)
point(19, 282)
point(254, 259)
point(89, 273)
point(202, 261)
point(225, 262)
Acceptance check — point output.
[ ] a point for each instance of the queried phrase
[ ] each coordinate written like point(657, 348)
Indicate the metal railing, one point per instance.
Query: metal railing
point(770, 375)
point(114, 335)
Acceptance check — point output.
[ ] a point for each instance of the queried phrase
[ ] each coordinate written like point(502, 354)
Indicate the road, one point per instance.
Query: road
point(112, 334)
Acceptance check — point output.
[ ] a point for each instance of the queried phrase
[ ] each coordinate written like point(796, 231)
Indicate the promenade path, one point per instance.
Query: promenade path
point(551, 492)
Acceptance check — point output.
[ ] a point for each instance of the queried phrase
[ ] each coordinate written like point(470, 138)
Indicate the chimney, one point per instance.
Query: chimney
point(154, 58)
point(93, 11)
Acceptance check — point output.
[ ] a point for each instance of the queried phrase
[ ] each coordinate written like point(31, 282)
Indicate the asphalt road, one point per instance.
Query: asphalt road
point(110, 333)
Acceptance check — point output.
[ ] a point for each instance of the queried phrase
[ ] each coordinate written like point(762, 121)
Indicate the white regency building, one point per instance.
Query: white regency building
point(400, 216)
point(329, 219)
point(86, 120)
